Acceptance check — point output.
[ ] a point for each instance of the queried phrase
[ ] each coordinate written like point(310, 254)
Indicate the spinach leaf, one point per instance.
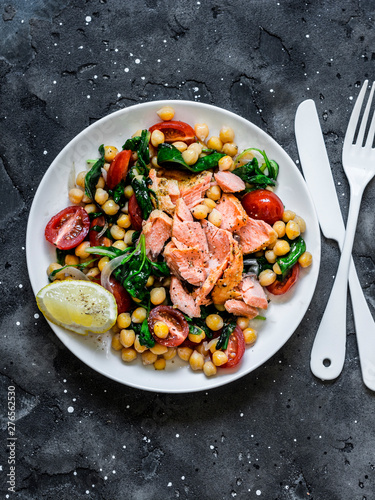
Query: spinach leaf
point(142, 150)
point(252, 174)
point(81, 267)
point(145, 337)
point(94, 174)
point(110, 252)
point(60, 256)
point(94, 215)
point(141, 191)
point(226, 332)
point(118, 194)
point(170, 157)
point(133, 143)
point(160, 269)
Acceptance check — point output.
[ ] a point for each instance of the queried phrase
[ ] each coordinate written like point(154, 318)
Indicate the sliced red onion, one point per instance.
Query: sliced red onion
point(72, 178)
point(104, 174)
point(74, 273)
point(108, 270)
point(105, 227)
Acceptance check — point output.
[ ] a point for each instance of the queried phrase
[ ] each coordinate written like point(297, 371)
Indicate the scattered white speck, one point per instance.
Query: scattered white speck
point(164, 41)
point(45, 152)
point(241, 414)
point(295, 440)
point(80, 47)
point(212, 446)
point(70, 409)
point(88, 19)
point(113, 456)
point(113, 472)
point(356, 421)
point(20, 285)
point(177, 435)
point(89, 97)
point(64, 380)
point(143, 77)
point(116, 50)
point(137, 61)
point(183, 478)
point(169, 484)
point(307, 36)
point(126, 70)
point(87, 492)
point(75, 473)
point(272, 91)
point(258, 492)
point(105, 478)
point(118, 95)
point(351, 98)
point(18, 323)
point(65, 391)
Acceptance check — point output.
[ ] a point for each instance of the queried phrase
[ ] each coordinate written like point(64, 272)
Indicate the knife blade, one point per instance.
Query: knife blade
point(318, 176)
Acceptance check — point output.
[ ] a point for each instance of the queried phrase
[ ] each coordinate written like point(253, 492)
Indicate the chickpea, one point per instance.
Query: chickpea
point(243, 322)
point(110, 207)
point(214, 193)
point(101, 196)
point(93, 273)
point(102, 263)
point(214, 322)
point(129, 237)
point(196, 361)
point(219, 358)
point(276, 268)
point(184, 353)
point(267, 277)
point(109, 153)
point(226, 134)
point(159, 349)
point(166, 113)
point(128, 354)
point(196, 147)
point(288, 215)
point(138, 346)
point(230, 149)
point(124, 221)
point(209, 369)
point(215, 217)
point(80, 250)
point(123, 320)
point(201, 131)
point(139, 315)
point(71, 260)
point(127, 337)
point(220, 307)
point(305, 260)
point(117, 232)
point(128, 192)
point(301, 222)
point(196, 338)
point(250, 336)
point(75, 195)
point(157, 137)
point(270, 256)
point(160, 364)
point(279, 227)
point(148, 358)
point(161, 330)
point(190, 156)
point(115, 343)
point(150, 281)
point(157, 295)
point(225, 163)
point(210, 204)
point(119, 244)
point(200, 212)
point(215, 143)
point(180, 145)
point(171, 353)
point(86, 199)
point(80, 180)
point(53, 267)
point(281, 247)
point(292, 230)
point(90, 208)
point(100, 183)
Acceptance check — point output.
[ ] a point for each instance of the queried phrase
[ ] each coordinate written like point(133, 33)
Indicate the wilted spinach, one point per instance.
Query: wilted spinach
point(93, 175)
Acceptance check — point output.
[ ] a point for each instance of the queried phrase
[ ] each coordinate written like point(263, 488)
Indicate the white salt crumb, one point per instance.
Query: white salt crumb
point(18, 323)
point(307, 36)
point(65, 391)
point(20, 285)
point(45, 152)
point(118, 95)
point(89, 97)
point(70, 409)
point(183, 478)
point(126, 70)
point(258, 492)
point(137, 61)
point(177, 435)
point(75, 473)
point(169, 484)
point(36, 315)
point(88, 19)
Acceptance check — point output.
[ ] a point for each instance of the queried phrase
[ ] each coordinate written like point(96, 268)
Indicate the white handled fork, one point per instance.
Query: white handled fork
point(358, 158)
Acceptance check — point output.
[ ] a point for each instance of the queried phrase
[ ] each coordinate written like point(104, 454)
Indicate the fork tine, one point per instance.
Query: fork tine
point(366, 113)
point(371, 132)
point(352, 125)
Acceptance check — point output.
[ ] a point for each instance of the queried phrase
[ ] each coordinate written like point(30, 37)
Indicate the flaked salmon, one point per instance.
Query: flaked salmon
point(253, 293)
point(201, 294)
point(185, 262)
point(182, 211)
point(166, 192)
point(229, 183)
point(226, 287)
point(255, 235)
point(239, 308)
point(193, 188)
point(182, 299)
point(219, 242)
point(233, 214)
point(157, 231)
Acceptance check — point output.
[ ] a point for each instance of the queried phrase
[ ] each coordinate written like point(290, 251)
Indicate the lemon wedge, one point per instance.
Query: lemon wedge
point(79, 306)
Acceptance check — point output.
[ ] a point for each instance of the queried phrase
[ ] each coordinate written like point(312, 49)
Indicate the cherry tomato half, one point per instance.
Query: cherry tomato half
point(123, 298)
point(262, 204)
point(281, 287)
point(135, 213)
point(177, 324)
point(119, 168)
point(68, 228)
point(235, 349)
point(95, 241)
point(175, 131)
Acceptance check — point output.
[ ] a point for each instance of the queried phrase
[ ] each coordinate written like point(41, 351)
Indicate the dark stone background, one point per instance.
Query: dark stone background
point(278, 433)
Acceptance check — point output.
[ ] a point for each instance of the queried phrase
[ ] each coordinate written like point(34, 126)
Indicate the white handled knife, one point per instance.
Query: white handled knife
point(318, 175)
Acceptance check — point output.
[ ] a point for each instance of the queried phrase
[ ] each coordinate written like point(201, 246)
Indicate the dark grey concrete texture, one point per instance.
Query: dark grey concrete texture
point(277, 433)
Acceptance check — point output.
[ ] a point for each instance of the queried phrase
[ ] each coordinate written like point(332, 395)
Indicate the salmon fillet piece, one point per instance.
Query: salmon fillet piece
point(239, 308)
point(233, 213)
point(219, 242)
point(166, 191)
point(183, 300)
point(201, 294)
point(157, 230)
point(182, 211)
point(186, 263)
point(255, 235)
point(193, 188)
point(229, 183)
point(226, 287)
point(253, 293)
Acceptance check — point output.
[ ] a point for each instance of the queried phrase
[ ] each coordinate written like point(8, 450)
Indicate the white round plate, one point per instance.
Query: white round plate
point(284, 313)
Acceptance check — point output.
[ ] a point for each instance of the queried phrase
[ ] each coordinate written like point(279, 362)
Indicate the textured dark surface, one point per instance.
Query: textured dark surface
point(278, 433)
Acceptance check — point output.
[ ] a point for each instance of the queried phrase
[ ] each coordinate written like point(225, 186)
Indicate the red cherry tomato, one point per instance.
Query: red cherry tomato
point(68, 228)
point(95, 241)
point(235, 349)
point(264, 205)
point(175, 131)
point(281, 287)
point(119, 168)
point(178, 326)
point(135, 213)
point(123, 298)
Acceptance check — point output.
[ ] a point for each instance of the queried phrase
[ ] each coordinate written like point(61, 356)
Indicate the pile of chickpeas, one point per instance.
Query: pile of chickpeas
point(204, 357)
